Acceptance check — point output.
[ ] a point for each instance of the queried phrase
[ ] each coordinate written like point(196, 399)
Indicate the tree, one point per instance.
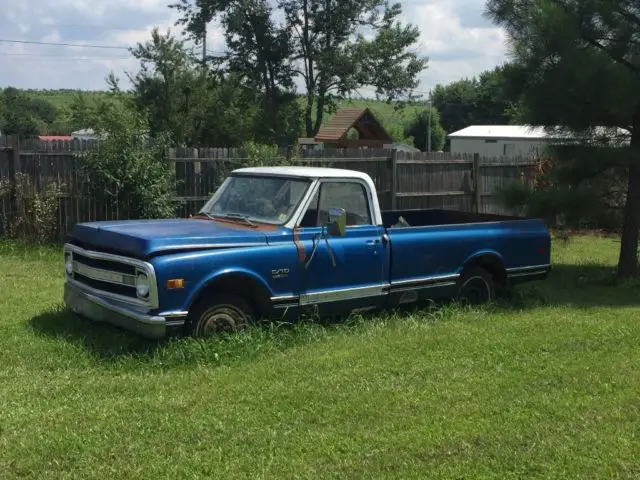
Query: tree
point(340, 47)
point(26, 116)
point(484, 100)
point(334, 47)
point(258, 56)
point(167, 86)
point(576, 65)
point(128, 171)
point(420, 126)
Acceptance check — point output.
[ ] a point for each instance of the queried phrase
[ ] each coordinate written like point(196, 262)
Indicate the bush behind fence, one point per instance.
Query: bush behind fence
point(40, 182)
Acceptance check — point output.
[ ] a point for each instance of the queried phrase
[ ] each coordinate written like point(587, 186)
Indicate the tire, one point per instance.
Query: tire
point(476, 287)
point(219, 314)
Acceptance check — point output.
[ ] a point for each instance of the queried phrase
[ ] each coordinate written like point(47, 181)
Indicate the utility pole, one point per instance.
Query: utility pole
point(429, 123)
point(204, 50)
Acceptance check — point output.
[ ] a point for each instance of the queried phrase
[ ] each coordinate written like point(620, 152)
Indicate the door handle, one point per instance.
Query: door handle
point(372, 243)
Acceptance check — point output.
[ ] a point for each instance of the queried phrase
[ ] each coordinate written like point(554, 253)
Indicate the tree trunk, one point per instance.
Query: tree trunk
point(322, 95)
point(628, 261)
point(307, 50)
point(308, 110)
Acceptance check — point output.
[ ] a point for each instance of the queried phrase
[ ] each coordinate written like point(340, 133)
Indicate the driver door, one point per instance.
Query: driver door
point(358, 279)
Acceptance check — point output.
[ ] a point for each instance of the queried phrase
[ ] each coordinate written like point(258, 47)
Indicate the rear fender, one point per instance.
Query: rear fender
point(491, 261)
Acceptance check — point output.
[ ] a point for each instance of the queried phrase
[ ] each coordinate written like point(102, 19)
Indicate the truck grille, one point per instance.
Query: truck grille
point(110, 275)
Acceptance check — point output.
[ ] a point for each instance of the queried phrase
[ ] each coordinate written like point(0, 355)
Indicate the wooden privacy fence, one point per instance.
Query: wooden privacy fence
point(403, 180)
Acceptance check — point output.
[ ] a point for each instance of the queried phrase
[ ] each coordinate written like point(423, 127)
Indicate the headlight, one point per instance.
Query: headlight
point(68, 264)
point(142, 285)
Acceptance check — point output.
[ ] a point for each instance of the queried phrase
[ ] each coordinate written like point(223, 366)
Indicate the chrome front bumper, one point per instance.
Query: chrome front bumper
point(124, 316)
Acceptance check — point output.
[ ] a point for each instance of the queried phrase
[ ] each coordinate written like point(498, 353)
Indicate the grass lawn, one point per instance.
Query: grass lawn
point(546, 387)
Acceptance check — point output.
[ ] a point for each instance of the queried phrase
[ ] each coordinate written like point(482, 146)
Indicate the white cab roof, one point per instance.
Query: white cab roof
point(315, 173)
point(307, 172)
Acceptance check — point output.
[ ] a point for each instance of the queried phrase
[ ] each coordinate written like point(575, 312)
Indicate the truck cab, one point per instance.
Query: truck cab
point(274, 242)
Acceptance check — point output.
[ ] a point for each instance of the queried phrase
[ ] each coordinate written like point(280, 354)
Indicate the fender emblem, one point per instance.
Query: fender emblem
point(280, 273)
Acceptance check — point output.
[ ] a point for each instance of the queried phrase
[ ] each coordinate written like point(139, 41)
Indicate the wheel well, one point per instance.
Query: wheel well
point(246, 287)
point(493, 265)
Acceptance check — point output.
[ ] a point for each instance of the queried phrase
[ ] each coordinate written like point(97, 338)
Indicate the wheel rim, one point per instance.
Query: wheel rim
point(475, 291)
point(222, 319)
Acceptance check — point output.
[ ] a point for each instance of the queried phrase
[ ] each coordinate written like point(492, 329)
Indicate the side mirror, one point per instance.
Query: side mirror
point(337, 223)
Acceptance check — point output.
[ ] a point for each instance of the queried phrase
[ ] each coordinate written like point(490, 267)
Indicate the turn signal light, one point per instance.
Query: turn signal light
point(175, 283)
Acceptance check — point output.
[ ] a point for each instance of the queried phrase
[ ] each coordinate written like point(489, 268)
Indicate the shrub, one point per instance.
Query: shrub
point(37, 216)
point(127, 170)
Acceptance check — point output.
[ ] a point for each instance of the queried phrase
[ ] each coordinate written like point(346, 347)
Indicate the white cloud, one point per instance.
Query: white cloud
point(458, 40)
point(455, 51)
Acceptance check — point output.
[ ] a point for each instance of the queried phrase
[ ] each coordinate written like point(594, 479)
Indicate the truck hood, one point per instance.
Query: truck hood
point(144, 238)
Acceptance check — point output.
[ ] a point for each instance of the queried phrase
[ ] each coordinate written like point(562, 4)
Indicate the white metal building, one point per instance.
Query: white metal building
point(499, 140)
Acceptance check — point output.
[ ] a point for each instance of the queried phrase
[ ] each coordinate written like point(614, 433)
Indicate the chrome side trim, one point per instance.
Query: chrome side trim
point(284, 298)
point(527, 269)
point(212, 246)
point(327, 296)
point(426, 280)
point(150, 303)
point(175, 323)
point(423, 287)
point(173, 314)
point(338, 295)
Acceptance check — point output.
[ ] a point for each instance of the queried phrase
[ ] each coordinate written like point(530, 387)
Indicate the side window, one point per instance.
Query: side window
point(350, 196)
point(310, 218)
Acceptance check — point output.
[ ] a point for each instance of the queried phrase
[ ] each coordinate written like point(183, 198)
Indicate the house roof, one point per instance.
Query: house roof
point(501, 131)
point(527, 132)
point(83, 132)
point(54, 138)
point(359, 118)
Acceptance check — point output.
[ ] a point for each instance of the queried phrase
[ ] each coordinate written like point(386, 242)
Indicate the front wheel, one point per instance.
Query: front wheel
point(476, 287)
point(219, 314)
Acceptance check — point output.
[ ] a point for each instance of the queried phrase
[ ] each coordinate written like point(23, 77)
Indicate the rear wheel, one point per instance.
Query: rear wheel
point(220, 314)
point(476, 287)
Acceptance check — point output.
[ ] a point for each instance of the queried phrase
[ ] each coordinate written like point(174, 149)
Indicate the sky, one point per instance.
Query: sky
point(457, 39)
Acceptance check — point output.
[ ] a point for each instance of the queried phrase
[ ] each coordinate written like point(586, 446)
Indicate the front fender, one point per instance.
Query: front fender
point(220, 275)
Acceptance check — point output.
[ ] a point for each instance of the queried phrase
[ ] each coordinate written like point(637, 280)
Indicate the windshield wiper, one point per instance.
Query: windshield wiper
point(237, 216)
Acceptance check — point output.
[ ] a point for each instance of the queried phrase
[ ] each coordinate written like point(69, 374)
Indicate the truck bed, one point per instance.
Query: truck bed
point(434, 245)
point(439, 217)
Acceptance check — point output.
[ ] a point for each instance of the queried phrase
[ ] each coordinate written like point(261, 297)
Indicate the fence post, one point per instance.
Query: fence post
point(476, 181)
point(14, 171)
point(394, 179)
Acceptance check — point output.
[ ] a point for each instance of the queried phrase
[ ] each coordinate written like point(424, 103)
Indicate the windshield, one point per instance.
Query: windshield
point(270, 200)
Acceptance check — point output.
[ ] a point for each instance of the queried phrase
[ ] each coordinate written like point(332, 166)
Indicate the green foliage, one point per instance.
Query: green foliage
point(320, 42)
point(196, 107)
point(485, 100)
point(578, 187)
point(418, 129)
point(128, 171)
point(226, 116)
point(399, 133)
point(575, 65)
point(37, 221)
point(24, 115)
point(260, 155)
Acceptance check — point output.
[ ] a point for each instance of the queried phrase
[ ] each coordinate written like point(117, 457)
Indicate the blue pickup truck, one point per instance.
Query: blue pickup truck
point(273, 242)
